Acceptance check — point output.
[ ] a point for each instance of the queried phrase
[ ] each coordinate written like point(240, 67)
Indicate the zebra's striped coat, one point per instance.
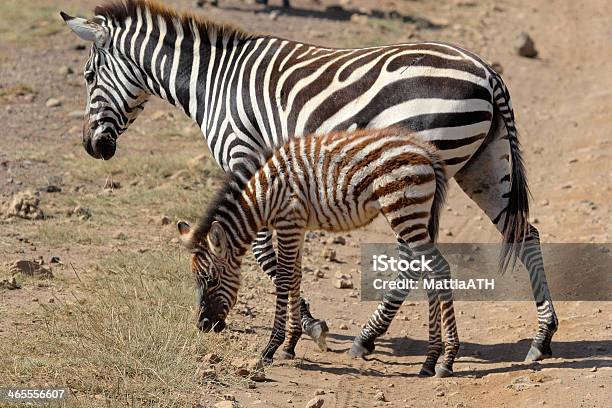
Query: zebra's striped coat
point(336, 182)
point(250, 92)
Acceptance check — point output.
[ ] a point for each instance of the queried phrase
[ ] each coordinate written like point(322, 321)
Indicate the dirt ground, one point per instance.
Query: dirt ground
point(115, 324)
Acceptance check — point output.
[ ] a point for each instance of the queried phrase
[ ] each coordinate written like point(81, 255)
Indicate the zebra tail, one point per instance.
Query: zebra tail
point(517, 212)
point(439, 195)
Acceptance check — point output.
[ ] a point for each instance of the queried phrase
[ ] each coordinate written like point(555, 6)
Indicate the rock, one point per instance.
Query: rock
point(252, 368)
point(273, 15)
point(343, 326)
point(80, 47)
point(226, 404)
point(497, 67)
point(343, 283)
point(440, 394)
point(316, 402)
point(329, 255)
point(319, 273)
point(55, 260)
point(359, 19)
point(65, 70)
point(205, 374)
point(165, 220)
point(319, 392)
point(83, 213)
point(76, 114)
point(593, 369)
point(25, 205)
point(53, 103)
point(340, 240)
point(525, 47)
point(30, 268)
point(380, 396)
point(9, 284)
point(52, 188)
point(211, 358)
point(340, 275)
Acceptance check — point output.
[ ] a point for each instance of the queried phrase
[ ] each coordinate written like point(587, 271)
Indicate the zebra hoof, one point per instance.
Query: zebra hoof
point(535, 354)
point(359, 349)
point(286, 355)
point(265, 361)
point(443, 372)
point(318, 332)
point(426, 372)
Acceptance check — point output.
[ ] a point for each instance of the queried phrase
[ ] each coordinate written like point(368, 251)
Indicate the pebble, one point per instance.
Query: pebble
point(273, 15)
point(343, 326)
point(525, 47)
point(380, 396)
point(76, 114)
point(329, 254)
point(319, 392)
point(53, 103)
point(340, 240)
point(316, 402)
point(65, 70)
point(343, 283)
point(319, 273)
point(440, 394)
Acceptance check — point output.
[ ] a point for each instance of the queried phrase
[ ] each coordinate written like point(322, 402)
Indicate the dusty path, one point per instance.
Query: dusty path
point(563, 101)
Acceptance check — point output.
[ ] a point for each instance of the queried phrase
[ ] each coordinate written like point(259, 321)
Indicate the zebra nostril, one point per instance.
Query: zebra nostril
point(104, 146)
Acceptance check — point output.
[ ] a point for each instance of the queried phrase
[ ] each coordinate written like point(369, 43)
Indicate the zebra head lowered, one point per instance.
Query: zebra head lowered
point(115, 87)
point(216, 274)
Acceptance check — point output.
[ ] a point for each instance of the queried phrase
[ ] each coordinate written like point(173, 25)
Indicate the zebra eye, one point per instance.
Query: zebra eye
point(89, 76)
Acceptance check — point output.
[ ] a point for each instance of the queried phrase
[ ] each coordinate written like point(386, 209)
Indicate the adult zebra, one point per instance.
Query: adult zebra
point(247, 92)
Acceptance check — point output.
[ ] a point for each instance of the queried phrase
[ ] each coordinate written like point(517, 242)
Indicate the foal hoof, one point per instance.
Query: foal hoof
point(443, 372)
point(318, 332)
point(426, 372)
point(535, 354)
point(286, 355)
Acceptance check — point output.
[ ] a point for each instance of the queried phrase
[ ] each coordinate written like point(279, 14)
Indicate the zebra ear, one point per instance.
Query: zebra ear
point(217, 241)
point(185, 232)
point(86, 29)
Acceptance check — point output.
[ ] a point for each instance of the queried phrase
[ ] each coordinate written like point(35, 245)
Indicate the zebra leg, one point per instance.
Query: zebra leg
point(280, 318)
point(379, 322)
point(264, 253)
point(486, 180)
point(441, 314)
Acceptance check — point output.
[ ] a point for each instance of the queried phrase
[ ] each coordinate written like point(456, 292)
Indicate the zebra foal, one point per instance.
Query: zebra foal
point(336, 182)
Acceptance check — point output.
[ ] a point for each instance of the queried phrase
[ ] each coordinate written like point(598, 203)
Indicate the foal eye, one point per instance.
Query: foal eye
point(89, 76)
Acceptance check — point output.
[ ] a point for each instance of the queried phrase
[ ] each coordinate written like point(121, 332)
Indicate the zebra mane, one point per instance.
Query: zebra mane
point(230, 191)
point(120, 10)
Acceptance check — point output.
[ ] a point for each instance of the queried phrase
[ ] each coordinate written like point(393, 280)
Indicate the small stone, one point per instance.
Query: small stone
point(593, 369)
point(319, 392)
point(206, 374)
point(64, 70)
point(340, 240)
point(316, 402)
point(359, 19)
point(25, 205)
point(319, 273)
point(525, 47)
point(329, 254)
point(497, 67)
point(55, 260)
point(76, 114)
point(30, 268)
point(52, 300)
point(343, 283)
point(343, 326)
point(80, 47)
point(440, 394)
point(380, 396)
point(84, 213)
point(211, 358)
point(448, 233)
point(53, 103)
point(273, 15)
point(225, 404)
point(52, 188)
point(164, 220)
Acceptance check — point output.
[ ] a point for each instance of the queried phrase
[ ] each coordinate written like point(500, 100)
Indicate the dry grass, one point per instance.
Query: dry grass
point(126, 338)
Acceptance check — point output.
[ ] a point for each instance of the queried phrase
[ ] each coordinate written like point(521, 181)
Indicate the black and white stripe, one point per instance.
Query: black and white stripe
point(249, 92)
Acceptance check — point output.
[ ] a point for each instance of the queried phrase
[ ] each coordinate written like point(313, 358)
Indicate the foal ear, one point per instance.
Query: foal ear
point(217, 241)
point(86, 29)
point(185, 233)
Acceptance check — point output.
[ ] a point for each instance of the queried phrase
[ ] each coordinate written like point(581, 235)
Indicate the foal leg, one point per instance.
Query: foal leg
point(486, 180)
point(264, 253)
point(295, 326)
point(381, 319)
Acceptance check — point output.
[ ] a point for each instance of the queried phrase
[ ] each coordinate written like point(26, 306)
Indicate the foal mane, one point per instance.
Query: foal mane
point(120, 10)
